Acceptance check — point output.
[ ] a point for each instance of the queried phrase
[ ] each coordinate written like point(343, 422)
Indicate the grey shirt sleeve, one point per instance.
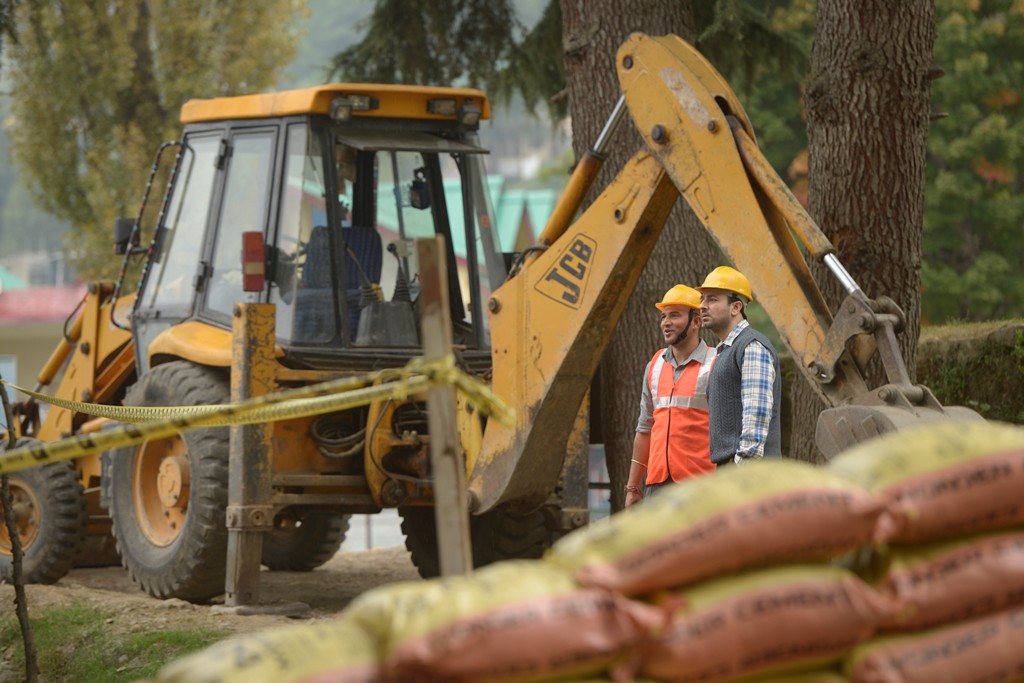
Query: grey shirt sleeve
point(646, 421)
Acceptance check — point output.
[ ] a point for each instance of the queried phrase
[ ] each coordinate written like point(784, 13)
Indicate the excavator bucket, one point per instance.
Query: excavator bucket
point(865, 329)
point(885, 410)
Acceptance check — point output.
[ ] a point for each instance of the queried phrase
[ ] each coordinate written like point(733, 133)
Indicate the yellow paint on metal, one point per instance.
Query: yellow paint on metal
point(89, 357)
point(470, 428)
point(544, 370)
point(404, 478)
point(196, 341)
point(395, 101)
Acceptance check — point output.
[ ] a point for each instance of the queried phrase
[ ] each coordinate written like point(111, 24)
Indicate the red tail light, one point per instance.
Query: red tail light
point(254, 275)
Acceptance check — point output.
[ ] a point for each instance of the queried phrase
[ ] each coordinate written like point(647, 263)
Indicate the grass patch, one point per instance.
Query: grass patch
point(977, 365)
point(76, 644)
point(958, 330)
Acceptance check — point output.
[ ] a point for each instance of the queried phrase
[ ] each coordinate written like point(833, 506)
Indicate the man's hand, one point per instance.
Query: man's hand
point(638, 468)
point(634, 494)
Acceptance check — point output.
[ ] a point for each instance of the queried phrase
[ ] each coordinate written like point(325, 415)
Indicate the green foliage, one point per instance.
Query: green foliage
point(555, 173)
point(76, 643)
point(23, 227)
point(741, 39)
point(973, 252)
point(7, 29)
point(537, 69)
point(95, 92)
point(768, 80)
point(980, 366)
point(445, 42)
point(329, 27)
point(481, 44)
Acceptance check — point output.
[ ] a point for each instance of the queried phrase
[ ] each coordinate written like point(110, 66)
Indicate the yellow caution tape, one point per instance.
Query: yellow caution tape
point(326, 397)
point(130, 414)
point(140, 414)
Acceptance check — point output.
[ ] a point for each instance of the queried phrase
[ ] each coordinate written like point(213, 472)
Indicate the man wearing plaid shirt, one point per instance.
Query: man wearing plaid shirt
point(745, 386)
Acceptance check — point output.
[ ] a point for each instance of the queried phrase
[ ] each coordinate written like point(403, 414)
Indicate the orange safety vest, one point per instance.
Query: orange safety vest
point(679, 437)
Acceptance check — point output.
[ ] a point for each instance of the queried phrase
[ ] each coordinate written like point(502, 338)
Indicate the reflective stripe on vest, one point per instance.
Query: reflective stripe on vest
point(679, 437)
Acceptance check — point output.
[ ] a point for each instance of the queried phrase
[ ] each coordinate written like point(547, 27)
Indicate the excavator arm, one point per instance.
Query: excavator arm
point(551, 321)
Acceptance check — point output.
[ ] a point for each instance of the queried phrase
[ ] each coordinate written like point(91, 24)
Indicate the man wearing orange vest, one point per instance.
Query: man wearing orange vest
point(671, 441)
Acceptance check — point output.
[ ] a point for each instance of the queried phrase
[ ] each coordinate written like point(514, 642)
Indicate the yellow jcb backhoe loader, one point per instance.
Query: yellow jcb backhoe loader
point(339, 181)
point(335, 176)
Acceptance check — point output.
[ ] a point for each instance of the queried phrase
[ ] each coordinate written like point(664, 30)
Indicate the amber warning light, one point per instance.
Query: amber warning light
point(253, 262)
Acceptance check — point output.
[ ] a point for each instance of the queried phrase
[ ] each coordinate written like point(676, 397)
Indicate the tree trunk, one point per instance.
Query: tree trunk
point(592, 32)
point(867, 122)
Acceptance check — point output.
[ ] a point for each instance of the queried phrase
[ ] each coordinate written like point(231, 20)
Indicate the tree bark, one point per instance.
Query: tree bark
point(867, 114)
point(592, 31)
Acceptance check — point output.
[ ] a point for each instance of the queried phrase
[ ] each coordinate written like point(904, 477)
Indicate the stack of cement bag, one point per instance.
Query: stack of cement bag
point(954, 567)
point(741, 561)
point(772, 571)
point(519, 620)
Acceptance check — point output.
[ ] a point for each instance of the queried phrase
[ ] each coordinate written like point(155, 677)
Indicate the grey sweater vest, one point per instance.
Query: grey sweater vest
point(724, 405)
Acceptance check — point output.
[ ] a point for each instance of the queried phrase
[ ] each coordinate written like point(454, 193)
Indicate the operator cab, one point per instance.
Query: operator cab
point(339, 180)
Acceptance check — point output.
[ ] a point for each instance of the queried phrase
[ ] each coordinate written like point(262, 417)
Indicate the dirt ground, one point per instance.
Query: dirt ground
point(326, 591)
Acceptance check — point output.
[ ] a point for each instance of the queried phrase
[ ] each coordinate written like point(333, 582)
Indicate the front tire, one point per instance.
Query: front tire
point(169, 496)
point(50, 517)
point(301, 541)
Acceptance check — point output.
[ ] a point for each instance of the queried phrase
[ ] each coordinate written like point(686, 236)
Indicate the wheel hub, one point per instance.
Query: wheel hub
point(173, 481)
point(161, 489)
point(26, 518)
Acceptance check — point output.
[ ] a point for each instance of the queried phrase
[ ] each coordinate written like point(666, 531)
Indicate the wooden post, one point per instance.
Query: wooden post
point(250, 490)
point(451, 510)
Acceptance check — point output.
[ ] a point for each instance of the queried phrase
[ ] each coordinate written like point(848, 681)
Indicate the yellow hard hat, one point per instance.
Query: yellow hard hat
point(729, 279)
point(680, 295)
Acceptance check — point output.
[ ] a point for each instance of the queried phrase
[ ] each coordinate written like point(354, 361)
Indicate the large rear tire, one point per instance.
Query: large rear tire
point(50, 517)
point(169, 496)
point(301, 540)
point(495, 536)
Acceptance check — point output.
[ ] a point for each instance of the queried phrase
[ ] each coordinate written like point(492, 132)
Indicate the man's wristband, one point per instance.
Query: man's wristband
point(633, 488)
point(642, 464)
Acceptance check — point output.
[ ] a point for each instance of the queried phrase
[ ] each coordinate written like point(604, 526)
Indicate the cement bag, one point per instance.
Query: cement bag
point(771, 622)
point(742, 517)
point(821, 676)
point(949, 478)
point(825, 676)
point(939, 583)
point(989, 649)
point(287, 654)
point(518, 620)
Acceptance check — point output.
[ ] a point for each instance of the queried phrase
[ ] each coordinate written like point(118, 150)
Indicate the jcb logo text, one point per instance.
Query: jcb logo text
point(566, 280)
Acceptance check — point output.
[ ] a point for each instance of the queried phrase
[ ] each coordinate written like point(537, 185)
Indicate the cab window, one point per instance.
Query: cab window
point(169, 286)
point(302, 285)
point(244, 205)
